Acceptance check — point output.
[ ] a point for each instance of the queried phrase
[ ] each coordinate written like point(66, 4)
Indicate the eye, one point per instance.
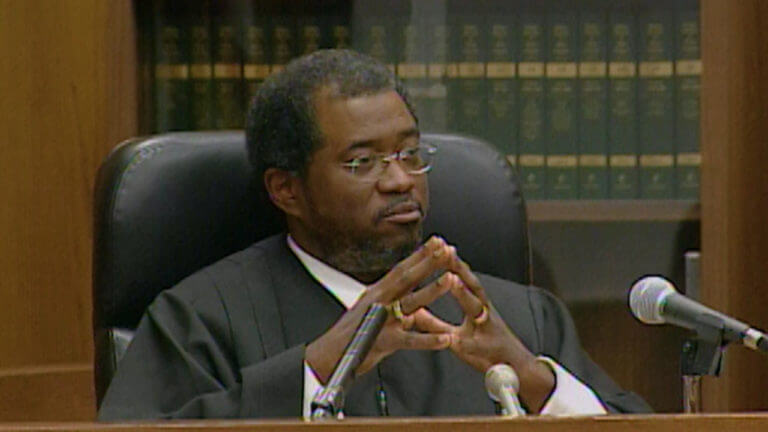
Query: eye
point(360, 164)
point(360, 160)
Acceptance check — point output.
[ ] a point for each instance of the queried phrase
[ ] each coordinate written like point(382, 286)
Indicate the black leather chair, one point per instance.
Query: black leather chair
point(170, 204)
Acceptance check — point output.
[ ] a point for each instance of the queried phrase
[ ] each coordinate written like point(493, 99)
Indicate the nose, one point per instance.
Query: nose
point(395, 179)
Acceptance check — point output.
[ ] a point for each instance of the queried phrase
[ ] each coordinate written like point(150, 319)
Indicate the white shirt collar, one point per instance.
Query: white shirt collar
point(342, 286)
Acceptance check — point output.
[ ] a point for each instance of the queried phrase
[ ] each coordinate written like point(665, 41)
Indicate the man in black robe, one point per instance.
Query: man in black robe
point(257, 334)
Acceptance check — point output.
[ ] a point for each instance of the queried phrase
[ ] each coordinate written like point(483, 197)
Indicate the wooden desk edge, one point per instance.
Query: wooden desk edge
point(744, 422)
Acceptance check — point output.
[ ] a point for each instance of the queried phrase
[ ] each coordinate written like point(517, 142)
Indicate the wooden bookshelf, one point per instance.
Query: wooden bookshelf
point(614, 211)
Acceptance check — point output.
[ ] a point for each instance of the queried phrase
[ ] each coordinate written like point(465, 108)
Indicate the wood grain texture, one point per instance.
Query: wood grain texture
point(735, 187)
point(667, 423)
point(62, 392)
point(67, 86)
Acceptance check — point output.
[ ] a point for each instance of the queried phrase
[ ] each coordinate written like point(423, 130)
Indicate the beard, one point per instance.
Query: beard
point(364, 255)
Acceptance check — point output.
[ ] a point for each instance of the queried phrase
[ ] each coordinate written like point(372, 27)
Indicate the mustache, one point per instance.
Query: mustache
point(392, 206)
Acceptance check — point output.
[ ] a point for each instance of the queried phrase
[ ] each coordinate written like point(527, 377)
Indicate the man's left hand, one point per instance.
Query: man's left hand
point(484, 339)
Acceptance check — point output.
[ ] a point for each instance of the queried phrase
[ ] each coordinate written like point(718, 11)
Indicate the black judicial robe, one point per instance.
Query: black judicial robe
point(229, 341)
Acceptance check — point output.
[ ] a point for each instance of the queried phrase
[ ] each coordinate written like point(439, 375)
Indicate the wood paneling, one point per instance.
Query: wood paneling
point(62, 392)
point(735, 187)
point(67, 95)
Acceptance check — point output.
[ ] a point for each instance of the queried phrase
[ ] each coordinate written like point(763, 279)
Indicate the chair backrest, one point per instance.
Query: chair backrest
point(171, 204)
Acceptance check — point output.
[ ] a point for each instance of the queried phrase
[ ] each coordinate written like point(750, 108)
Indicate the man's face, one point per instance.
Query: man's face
point(362, 227)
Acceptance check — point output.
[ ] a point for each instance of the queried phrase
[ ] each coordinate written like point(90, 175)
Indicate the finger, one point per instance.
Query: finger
point(424, 320)
point(463, 270)
point(425, 296)
point(469, 303)
point(410, 272)
point(424, 341)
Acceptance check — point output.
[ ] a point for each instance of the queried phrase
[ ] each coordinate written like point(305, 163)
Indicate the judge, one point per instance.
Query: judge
point(337, 146)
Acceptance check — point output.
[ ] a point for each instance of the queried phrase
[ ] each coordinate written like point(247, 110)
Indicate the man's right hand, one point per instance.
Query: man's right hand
point(323, 353)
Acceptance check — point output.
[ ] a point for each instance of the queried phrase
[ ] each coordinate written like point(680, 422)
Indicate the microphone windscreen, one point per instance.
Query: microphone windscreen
point(646, 298)
point(499, 376)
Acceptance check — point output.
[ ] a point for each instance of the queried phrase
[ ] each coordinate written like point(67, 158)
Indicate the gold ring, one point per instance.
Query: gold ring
point(397, 310)
point(482, 317)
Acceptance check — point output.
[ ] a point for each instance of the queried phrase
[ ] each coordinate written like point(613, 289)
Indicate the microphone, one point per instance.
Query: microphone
point(654, 300)
point(502, 385)
point(329, 402)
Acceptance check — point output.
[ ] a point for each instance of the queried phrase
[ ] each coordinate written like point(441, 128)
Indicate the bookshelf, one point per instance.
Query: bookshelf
point(98, 51)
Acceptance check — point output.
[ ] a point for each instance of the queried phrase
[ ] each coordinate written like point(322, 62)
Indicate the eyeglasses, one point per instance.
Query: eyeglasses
point(414, 160)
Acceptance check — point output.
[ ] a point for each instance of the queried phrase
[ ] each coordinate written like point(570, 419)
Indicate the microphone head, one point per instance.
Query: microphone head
point(646, 298)
point(499, 376)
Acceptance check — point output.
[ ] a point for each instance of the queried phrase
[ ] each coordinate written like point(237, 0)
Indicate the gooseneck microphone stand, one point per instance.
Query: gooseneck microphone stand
point(329, 402)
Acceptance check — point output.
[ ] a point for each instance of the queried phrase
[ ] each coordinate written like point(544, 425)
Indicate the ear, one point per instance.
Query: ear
point(284, 190)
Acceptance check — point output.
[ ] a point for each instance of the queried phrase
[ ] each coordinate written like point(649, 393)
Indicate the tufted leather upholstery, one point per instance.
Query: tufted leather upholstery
point(170, 204)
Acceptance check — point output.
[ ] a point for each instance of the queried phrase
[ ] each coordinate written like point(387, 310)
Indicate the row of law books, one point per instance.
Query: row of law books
point(588, 99)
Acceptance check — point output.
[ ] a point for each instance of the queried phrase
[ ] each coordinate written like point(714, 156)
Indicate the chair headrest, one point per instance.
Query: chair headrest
point(171, 204)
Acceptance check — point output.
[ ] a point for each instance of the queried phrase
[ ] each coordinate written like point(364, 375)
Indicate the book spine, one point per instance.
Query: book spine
point(200, 67)
point(227, 67)
point(311, 28)
point(688, 87)
point(561, 103)
point(282, 36)
point(338, 22)
point(656, 101)
point(171, 71)
point(374, 32)
point(501, 72)
point(622, 103)
point(530, 69)
point(412, 62)
point(437, 43)
point(469, 43)
point(146, 58)
point(256, 59)
point(593, 102)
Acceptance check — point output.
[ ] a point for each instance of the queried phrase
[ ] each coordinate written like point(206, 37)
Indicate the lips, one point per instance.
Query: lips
point(402, 213)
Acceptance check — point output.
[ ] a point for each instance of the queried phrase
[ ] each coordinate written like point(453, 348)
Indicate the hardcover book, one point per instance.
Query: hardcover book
point(227, 68)
point(532, 152)
point(688, 87)
point(171, 71)
point(656, 101)
point(622, 102)
point(468, 52)
point(501, 72)
point(561, 101)
point(593, 101)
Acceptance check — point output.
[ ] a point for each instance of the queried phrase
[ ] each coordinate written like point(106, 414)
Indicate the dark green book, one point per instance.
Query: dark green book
point(656, 100)
point(171, 71)
point(411, 50)
point(312, 27)
point(227, 66)
point(373, 31)
point(561, 101)
point(623, 182)
point(145, 12)
point(283, 32)
point(532, 43)
point(593, 100)
point(688, 87)
point(468, 49)
point(341, 35)
point(200, 66)
point(434, 115)
point(256, 43)
point(501, 78)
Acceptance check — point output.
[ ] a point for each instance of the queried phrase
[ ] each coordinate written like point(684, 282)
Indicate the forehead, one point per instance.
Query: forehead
point(377, 120)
